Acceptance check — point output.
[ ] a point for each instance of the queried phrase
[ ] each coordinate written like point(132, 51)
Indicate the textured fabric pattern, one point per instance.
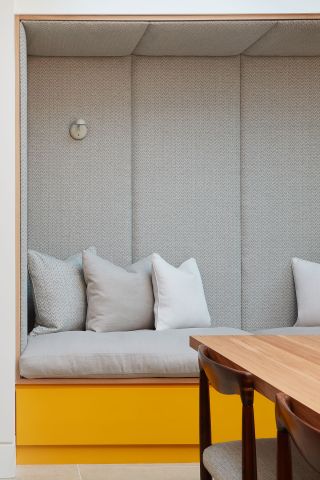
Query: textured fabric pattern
point(86, 39)
point(213, 38)
point(142, 353)
point(107, 38)
point(80, 191)
point(119, 299)
point(280, 178)
point(186, 167)
point(59, 292)
point(185, 170)
point(223, 461)
point(26, 299)
point(183, 38)
point(289, 38)
point(178, 294)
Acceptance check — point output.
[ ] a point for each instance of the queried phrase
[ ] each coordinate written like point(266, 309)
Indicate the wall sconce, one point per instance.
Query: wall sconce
point(78, 129)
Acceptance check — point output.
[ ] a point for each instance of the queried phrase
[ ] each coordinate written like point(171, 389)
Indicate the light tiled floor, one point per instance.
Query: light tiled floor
point(172, 471)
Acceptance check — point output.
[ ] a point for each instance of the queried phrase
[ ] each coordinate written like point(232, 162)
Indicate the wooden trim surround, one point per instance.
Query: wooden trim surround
point(107, 381)
point(18, 19)
point(18, 192)
point(226, 17)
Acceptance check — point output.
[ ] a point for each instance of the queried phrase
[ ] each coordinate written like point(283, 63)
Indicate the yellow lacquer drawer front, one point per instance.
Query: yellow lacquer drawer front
point(126, 415)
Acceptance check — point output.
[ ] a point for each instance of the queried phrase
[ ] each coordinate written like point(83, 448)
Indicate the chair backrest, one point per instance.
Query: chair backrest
point(226, 379)
point(296, 423)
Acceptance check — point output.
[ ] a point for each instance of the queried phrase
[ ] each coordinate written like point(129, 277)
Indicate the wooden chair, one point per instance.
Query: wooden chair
point(304, 431)
point(247, 459)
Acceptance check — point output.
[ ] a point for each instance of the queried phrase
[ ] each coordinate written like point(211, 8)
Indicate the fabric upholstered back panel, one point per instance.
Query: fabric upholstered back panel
point(167, 166)
point(80, 191)
point(280, 178)
point(185, 164)
point(186, 171)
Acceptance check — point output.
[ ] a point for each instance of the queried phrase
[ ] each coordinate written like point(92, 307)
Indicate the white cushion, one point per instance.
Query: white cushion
point(179, 297)
point(119, 299)
point(307, 282)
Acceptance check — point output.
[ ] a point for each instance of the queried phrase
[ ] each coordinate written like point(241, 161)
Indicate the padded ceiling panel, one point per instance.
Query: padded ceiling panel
point(218, 38)
point(179, 38)
point(86, 39)
point(289, 39)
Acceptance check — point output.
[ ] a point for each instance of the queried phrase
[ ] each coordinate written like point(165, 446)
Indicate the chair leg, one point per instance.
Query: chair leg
point(204, 422)
point(284, 465)
point(249, 456)
point(204, 474)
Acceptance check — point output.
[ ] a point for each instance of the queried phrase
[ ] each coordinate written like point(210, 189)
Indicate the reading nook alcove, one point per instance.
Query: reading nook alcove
point(195, 139)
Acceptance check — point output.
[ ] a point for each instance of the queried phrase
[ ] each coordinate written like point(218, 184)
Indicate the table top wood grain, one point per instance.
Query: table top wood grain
point(289, 364)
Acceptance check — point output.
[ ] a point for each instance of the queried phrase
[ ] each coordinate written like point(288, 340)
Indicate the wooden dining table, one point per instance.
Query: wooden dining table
point(289, 364)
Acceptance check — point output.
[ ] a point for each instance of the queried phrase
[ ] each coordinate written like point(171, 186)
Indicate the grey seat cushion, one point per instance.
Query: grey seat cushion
point(223, 461)
point(140, 353)
point(289, 331)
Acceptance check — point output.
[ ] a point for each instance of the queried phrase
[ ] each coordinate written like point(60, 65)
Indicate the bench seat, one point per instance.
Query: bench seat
point(289, 331)
point(141, 353)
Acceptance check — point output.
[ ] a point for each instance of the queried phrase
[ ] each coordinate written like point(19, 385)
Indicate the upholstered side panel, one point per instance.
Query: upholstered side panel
point(186, 171)
point(23, 187)
point(80, 191)
point(280, 176)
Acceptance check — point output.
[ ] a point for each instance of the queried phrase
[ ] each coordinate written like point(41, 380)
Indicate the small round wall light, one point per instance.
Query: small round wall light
point(78, 129)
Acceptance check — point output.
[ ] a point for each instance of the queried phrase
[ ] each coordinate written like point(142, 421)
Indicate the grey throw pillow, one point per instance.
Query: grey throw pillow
point(119, 299)
point(59, 292)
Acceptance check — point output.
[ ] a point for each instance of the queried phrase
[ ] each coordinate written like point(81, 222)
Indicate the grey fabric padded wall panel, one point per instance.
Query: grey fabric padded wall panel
point(289, 38)
point(24, 181)
point(215, 38)
point(80, 191)
point(280, 105)
point(186, 164)
point(86, 39)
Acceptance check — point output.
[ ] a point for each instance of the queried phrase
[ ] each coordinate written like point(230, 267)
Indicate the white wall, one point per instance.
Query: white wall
point(165, 6)
point(7, 240)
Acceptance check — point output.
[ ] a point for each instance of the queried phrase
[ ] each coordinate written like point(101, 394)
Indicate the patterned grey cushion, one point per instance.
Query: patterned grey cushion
point(59, 292)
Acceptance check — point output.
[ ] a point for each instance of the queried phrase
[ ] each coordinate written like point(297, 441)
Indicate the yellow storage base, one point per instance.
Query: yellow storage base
point(123, 423)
